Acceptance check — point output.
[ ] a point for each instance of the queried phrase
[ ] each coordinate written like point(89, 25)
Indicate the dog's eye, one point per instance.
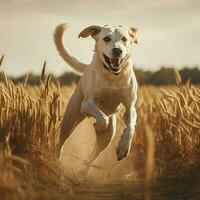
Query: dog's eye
point(124, 39)
point(107, 39)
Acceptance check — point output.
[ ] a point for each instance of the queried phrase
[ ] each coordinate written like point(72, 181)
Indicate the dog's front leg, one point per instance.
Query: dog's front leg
point(89, 108)
point(124, 145)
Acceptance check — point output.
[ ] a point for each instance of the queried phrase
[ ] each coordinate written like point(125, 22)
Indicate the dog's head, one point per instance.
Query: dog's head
point(113, 44)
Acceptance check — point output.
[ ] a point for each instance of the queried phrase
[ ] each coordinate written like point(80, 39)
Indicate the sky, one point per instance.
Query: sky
point(168, 31)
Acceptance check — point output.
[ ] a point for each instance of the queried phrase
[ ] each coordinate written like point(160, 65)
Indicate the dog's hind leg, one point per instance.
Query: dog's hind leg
point(103, 139)
point(72, 117)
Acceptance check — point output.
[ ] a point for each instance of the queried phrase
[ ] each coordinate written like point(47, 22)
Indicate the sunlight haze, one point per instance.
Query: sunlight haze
point(168, 31)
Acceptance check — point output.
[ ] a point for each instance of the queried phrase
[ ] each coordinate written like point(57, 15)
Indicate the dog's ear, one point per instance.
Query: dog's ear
point(90, 31)
point(132, 33)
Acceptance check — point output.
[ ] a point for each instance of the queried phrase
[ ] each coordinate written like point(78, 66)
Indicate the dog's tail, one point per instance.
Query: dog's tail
point(64, 53)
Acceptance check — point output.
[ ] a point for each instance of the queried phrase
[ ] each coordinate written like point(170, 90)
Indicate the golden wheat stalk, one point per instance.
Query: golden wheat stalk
point(42, 77)
point(25, 80)
point(5, 79)
point(178, 77)
point(1, 60)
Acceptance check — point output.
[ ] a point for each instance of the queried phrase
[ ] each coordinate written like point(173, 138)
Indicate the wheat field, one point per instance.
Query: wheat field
point(166, 143)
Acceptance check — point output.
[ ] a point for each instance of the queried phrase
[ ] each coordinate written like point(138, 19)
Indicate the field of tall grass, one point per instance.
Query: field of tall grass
point(166, 144)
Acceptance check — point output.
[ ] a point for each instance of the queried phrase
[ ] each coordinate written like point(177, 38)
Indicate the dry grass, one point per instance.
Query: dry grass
point(172, 115)
point(167, 141)
point(29, 127)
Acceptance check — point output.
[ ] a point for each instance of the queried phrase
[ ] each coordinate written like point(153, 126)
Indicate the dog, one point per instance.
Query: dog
point(106, 83)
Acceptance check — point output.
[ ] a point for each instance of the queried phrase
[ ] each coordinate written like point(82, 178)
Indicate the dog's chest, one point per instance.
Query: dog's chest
point(108, 100)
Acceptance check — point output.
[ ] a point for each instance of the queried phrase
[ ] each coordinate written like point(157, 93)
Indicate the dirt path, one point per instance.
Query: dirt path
point(79, 147)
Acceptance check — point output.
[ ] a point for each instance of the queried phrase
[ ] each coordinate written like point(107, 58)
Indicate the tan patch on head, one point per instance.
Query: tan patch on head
point(132, 33)
point(90, 31)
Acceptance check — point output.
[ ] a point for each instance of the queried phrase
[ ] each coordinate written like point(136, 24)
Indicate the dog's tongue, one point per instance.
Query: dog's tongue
point(115, 62)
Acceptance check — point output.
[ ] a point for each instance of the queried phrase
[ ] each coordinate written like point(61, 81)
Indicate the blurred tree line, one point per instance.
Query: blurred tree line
point(168, 76)
point(163, 76)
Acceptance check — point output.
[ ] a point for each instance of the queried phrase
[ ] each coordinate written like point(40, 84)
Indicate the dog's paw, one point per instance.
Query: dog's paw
point(123, 147)
point(102, 124)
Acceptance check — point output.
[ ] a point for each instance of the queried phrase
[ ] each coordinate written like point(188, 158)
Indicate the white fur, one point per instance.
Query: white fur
point(99, 92)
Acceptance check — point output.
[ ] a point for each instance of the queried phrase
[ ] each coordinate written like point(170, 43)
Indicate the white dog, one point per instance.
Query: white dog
point(107, 82)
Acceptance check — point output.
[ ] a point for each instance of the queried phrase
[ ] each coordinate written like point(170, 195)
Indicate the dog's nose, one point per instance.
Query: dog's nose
point(117, 51)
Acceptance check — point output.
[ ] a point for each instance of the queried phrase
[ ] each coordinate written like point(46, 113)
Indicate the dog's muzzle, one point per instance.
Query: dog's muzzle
point(113, 63)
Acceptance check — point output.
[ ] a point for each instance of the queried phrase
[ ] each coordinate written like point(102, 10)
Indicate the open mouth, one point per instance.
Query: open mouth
point(113, 63)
